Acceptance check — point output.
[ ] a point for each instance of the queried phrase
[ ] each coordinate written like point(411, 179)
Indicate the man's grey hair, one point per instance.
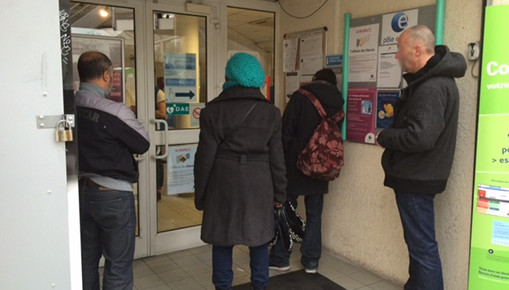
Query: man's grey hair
point(421, 34)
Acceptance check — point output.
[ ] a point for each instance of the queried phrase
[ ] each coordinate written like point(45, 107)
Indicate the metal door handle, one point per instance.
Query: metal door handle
point(165, 124)
point(139, 157)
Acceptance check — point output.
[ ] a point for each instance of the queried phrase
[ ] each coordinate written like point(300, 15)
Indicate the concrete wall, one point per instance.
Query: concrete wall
point(360, 219)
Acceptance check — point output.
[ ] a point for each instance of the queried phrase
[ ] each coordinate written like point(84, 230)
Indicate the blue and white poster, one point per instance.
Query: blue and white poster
point(394, 24)
point(180, 77)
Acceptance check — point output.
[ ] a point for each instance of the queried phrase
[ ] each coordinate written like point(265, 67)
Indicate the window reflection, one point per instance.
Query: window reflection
point(180, 72)
point(180, 66)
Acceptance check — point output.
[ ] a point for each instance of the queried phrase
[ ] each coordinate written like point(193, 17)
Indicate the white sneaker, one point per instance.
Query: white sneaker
point(311, 271)
point(280, 269)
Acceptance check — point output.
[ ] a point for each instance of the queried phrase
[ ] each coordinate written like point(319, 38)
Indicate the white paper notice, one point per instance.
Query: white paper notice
point(180, 168)
point(389, 71)
point(363, 53)
point(290, 54)
point(311, 53)
point(291, 84)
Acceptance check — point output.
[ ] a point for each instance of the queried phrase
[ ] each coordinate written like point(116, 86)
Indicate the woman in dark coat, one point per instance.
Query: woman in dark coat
point(299, 122)
point(239, 171)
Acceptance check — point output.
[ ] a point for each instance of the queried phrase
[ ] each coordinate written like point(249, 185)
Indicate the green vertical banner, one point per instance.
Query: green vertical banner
point(489, 247)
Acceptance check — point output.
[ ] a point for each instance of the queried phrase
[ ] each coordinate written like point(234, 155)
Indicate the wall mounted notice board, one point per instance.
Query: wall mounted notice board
point(303, 55)
point(375, 80)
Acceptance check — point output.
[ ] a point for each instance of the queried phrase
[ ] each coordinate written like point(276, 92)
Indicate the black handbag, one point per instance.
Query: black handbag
point(296, 224)
point(282, 230)
point(289, 226)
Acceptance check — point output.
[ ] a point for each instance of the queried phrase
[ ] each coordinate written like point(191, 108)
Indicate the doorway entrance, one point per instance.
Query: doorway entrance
point(167, 64)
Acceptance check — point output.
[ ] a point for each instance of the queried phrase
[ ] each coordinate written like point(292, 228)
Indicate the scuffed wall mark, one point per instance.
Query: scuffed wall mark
point(44, 71)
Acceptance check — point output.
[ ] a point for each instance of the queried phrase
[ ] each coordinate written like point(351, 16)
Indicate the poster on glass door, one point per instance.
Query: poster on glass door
point(181, 168)
point(489, 245)
point(180, 77)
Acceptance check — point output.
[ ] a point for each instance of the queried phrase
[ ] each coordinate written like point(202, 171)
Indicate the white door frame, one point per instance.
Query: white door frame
point(149, 241)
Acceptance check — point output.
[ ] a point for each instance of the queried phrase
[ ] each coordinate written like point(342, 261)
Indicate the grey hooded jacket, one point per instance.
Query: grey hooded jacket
point(420, 143)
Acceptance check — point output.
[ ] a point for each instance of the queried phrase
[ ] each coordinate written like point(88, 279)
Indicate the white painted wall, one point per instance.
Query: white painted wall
point(360, 220)
point(35, 219)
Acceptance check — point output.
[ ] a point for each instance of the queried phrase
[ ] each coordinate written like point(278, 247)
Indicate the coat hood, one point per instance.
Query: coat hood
point(444, 63)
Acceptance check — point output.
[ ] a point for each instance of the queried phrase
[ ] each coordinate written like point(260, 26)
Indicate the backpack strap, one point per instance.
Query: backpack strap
point(339, 116)
point(315, 102)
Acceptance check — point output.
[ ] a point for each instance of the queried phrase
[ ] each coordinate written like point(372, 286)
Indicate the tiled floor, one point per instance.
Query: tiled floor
point(192, 270)
point(177, 211)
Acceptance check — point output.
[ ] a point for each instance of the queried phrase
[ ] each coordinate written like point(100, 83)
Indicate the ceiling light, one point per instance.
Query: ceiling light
point(104, 12)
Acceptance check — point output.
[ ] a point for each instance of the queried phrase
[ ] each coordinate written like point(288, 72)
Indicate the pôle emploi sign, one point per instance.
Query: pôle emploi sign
point(489, 248)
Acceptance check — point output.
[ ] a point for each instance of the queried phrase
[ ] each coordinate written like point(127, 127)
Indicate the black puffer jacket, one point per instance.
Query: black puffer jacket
point(299, 122)
point(420, 144)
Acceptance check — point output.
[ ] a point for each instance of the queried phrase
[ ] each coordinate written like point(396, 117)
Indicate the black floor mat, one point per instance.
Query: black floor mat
point(298, 280)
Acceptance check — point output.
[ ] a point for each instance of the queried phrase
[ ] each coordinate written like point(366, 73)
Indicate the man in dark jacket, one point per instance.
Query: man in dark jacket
point(109, 134)
point(299, 122)
point(420, 146)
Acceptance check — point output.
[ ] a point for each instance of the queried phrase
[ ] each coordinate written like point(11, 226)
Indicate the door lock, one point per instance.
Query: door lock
point(63, 131)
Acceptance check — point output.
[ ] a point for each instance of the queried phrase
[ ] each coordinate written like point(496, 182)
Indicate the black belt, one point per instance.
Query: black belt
point(242, 157)
point(86, 182)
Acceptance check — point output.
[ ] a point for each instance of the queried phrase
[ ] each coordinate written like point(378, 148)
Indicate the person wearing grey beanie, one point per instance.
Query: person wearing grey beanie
point(239, 172)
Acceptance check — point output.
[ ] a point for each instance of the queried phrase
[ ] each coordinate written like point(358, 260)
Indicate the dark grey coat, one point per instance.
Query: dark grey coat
point(421, 141)
point(238, 179)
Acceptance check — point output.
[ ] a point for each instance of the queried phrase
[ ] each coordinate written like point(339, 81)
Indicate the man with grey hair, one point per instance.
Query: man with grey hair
point(419, 146)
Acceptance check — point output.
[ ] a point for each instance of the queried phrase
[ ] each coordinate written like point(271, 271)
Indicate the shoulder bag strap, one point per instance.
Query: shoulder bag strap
point(237, 126)
point(315, 102)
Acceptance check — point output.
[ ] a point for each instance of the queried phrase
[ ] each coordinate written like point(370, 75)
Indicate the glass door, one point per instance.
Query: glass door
point(164, 71)
point(179, 59)
point(253, 31)
point(110, 28)
point(160, 57)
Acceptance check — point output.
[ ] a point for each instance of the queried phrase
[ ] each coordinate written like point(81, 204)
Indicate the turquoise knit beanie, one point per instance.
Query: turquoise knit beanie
point(244, 70)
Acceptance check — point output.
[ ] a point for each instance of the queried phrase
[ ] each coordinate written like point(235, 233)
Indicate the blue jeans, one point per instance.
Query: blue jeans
point(222, 273)
point(311, 248)
point(418, 219)
point(108, 223)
